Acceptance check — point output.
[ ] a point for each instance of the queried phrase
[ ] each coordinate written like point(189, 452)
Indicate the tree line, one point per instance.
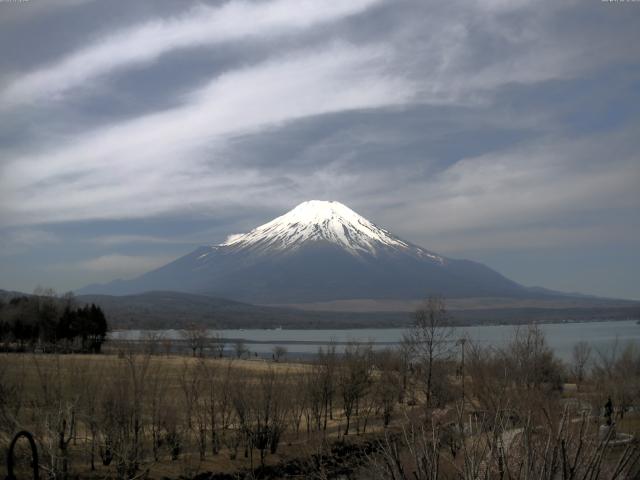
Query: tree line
point(48, 322)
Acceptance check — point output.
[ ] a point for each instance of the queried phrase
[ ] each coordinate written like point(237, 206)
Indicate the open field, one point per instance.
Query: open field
point(168, 397)
point(130, 414)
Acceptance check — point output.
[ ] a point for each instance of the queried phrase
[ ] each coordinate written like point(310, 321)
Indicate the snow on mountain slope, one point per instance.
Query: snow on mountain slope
point(318, 220)
point(319, 251)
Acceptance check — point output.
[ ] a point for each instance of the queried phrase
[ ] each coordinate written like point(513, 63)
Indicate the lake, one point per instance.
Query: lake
point(302, 343)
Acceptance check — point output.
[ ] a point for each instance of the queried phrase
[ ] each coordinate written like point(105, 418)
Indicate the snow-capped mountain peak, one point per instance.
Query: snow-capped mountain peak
point(318, 220)
point(319, 251)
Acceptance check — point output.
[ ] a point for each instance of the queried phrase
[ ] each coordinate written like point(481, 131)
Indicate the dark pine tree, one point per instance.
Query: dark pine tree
point(97, 328)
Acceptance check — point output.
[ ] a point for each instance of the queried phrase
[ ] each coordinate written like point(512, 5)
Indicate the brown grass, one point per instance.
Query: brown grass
point(72, 370)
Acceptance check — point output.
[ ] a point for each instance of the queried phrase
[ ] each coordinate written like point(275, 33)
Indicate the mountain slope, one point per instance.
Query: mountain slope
point(316, 252)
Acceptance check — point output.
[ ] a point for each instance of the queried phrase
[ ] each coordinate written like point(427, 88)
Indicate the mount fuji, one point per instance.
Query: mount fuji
point(319, 251)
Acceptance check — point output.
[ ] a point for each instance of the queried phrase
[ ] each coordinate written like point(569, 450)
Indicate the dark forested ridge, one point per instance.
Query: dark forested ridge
point(158, 310)
point(167, 310)
point(174, 310)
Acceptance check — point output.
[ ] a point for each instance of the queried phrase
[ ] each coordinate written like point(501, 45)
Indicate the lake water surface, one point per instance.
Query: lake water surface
point(560, 336)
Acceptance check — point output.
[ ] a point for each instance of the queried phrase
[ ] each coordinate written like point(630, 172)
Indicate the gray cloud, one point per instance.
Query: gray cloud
point(144, 43)
point(22, 240)
point(464, 126)
point(160, 149)
point(122, 266)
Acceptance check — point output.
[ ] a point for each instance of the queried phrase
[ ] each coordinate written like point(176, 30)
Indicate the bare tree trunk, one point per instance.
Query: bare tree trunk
point(429, 377)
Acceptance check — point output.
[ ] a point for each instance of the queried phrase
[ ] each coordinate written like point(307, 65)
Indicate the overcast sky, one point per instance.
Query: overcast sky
point(502, 131)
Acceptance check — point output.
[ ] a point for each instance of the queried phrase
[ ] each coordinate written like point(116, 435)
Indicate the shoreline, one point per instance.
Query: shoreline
point(387, 327)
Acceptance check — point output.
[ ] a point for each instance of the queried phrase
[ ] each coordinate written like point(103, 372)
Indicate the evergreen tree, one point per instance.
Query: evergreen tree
point(97, 328)
point(52, 321)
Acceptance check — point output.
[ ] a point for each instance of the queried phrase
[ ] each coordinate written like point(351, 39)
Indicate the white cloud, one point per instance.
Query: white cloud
point(176, 160)
point(167, 161)
point(543, 192)
point(198, 27)
point(549, 191)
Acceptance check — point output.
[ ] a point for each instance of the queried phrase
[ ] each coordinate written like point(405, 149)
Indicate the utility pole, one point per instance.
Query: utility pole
point(462, 342)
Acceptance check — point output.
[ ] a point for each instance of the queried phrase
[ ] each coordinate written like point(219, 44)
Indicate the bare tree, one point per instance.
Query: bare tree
point(568, 449)
point(532, 360)
point(91, 385)
point(224, 402)
point(58, 411)
point(298, 395)
point(279, 352)
point(157, 407)
point(12, 385)
point(212, 405)
point(616, 374)
point(196, 337)
point(580, 358)
point(167, 345)
point(388, 384)
point(122, 415)
point(315, 398)
point(326, 378)
point(354, 378)
point(430, 338)
point(152, 342)
point(216, 343)
point(240, 348)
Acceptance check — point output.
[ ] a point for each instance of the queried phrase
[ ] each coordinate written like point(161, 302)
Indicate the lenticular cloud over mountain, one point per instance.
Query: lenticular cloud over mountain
point(318, 251)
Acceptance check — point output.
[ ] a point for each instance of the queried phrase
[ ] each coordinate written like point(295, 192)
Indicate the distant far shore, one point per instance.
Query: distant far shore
point(407, 324)
point(305, 343)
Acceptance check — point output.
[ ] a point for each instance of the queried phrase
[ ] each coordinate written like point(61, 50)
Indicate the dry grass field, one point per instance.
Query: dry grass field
point(416, 412)
point(165, 408)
